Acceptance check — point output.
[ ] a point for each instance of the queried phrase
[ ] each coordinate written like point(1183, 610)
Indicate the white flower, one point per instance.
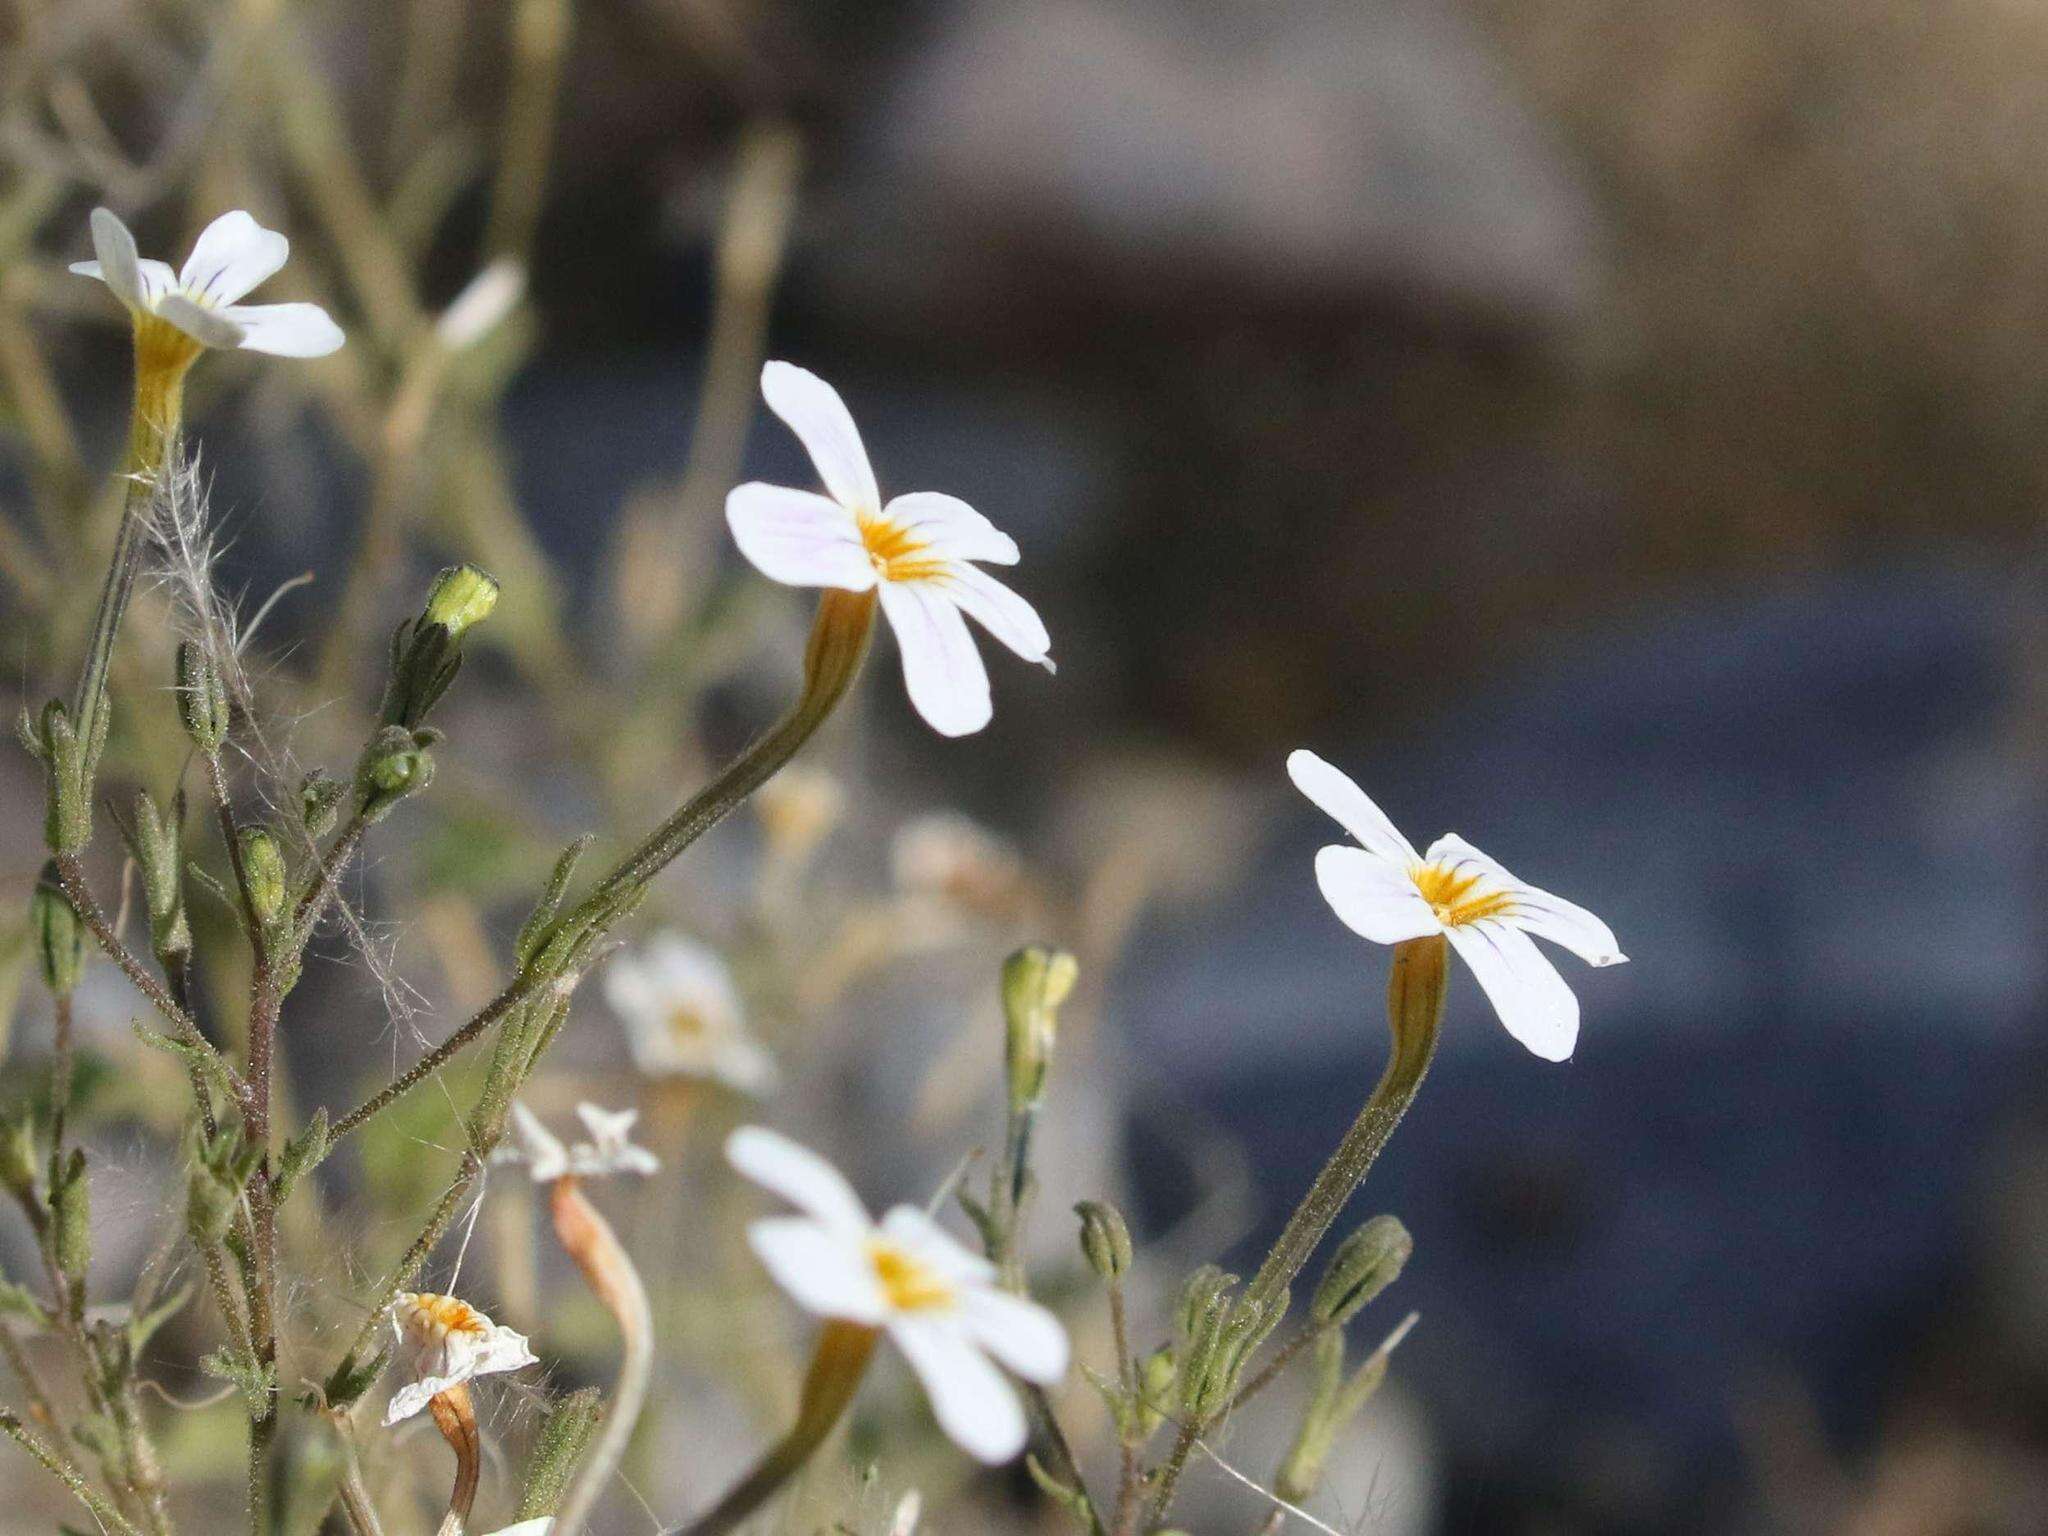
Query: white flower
point(539, 1527)
point(946, 856)
point(233, 254)
point(908, 1511)
point(610, 1149)
point(907, 1277)
point(917, 551)
point(444, 1341)
point(1387, 892)
point(683, 1015)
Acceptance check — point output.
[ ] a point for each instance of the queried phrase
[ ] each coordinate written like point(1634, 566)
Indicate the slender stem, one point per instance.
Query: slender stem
point(1128, 1378)
point(415, 1255)
point(1272, 1369)
point(589, 1240)
point(109, 1517)
point(355, 1495)
point(836, 1370)
point(60, 1071)
point(40, 1406)
point(455, 1416)
point(313, 905)
point(439, 1056)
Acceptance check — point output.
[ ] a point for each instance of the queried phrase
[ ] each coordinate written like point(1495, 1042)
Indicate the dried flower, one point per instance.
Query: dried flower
point(1387, 892)
point(683, 1015)
point(907, 1277)
point(445, 1342)
point(916, 552)
point(232, 255)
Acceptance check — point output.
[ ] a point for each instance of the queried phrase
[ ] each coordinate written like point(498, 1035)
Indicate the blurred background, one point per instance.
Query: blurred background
point(1612, 431)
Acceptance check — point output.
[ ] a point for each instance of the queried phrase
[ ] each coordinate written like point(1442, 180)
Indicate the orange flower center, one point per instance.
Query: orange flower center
point(896, 553)
point(444, 1315)
point(1451, 896)
point(907, 1282)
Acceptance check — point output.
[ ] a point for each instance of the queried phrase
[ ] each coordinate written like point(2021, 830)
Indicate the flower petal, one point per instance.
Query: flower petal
point(813, 410)
point(535, 1145)
point(1533, 1001)
point(934, 1247)
point(1536, 910)
point(976, 1408)
point(118, 264)
point(286, 330)
point(1374, 899)
point(746, 1064)
point(410, 1399)
point(827, 1273)
point(800, 1176)
point(232, 255)
point(950, 529)
point(208, 327)
point(941, 667)
point(998, 610)
point(1023, 1335)
point(798, 538)
point(1334, 792)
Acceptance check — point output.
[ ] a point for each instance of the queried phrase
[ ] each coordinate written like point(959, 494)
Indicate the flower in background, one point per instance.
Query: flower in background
point(610, 1149)
point(1387, 892)
point(444, 1342)
point(683, 1015)
point(916, 552)
point(201, 301)
point(947, 857)
point(539, 1527)
point(798, 809)
point(908, 1511)
point(906, 1277)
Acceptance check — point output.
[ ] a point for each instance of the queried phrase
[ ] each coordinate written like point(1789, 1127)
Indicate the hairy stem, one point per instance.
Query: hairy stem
point(61, 1468)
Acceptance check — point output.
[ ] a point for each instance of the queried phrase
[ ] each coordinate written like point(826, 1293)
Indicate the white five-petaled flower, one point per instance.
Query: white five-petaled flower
point(1387, 892)
point(916, 552)
point(683, 1016)
point(610, 1148)
point(444, 1342)
point(203, 300)
point(905, 1276)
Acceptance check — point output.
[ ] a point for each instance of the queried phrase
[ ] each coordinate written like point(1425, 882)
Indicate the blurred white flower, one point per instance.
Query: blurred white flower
point(539, 1527)
point(683, 1015)
point(484, 301)
point(909, 1509)
point(917, 551)
point(233, 254)
point(908, 1278)
point(444, 1341)
point(798, 809)
point(610, 1148)
point(1387, 892)
point(948, 857)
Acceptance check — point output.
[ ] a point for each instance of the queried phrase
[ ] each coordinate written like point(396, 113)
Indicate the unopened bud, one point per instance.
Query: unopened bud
point(67, 823)
point(155, 841)
point(202, 698)
point(1105, 1239)
point(60, 935)
point(1156, 1376)
point(18, 1155)
point(1035, 982)
point(1365, 1263)
point(263, 869)
point(320, 798)
point(394, 765)
point(462, 595)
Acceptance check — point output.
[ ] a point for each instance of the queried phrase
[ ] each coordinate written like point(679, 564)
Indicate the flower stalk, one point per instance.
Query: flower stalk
point(455, 1416)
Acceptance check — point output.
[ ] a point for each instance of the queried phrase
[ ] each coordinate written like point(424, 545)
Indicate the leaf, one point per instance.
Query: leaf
point(1072, 1500)
point(255, 1382)
point(141, 1329)
point(19, 1301)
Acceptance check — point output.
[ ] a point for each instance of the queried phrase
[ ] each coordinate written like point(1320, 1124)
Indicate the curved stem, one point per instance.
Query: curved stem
point(590, 1241)
point(836, 1369)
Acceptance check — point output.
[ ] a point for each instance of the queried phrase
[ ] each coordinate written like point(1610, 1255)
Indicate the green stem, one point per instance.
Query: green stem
point(109, 1517)
point(836, 1370)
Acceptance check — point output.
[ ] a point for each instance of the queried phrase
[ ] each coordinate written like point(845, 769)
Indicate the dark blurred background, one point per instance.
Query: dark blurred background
point(1613, 431)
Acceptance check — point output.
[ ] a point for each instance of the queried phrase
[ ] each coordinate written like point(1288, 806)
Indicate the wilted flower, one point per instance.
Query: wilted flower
point(916, 552)
point(444, 1341)
point(610, 1149)
point(1387, 892)
point(232, 255)
point(683, 1015)
point(906, 1277)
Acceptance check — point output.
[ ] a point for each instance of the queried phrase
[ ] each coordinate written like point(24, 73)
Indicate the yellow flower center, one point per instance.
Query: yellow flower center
point(895, 553)
point(907, 1282)
point(687, 1025)
point(443, 1315)
point(1450, 895)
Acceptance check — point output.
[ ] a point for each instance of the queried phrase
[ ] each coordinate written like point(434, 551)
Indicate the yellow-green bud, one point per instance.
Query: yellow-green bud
point(1365, 1263)
point(155, 840)
point(263, 868)
point(18, 1156)
point(1105, 1239)
point(51, 736)
point(394, 765)
point(1035, 982)
point(462, 595)
point(202, 698)
point(60, 935)
point(1156, 1375)
point(320, 800)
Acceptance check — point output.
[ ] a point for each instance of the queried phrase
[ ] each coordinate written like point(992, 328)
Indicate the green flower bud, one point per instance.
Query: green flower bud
point(59, 933)
point(155, 841)
point(1035, 982)
point(202, 698)
point(67, 825)
point(263, 869)
point(394, 765)
point(320, 800)
point(1365, 1263)
point(209, 1206)
point(461, 596)
point(1105, 1240)
point(1156, 1376)
point(18, 1156)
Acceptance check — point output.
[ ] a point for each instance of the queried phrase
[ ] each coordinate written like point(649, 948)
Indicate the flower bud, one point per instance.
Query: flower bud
point(394, 765)
point(320, 800)
point(67, 825)
point(1035, 982)
point(155, 839)
point(60, 935)
point(263, 869)
point(202, 698)
point(1365, 1263)
point(1156, 1376)
point(18, 1155)
point(1105, 1239)
point(462, 595)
